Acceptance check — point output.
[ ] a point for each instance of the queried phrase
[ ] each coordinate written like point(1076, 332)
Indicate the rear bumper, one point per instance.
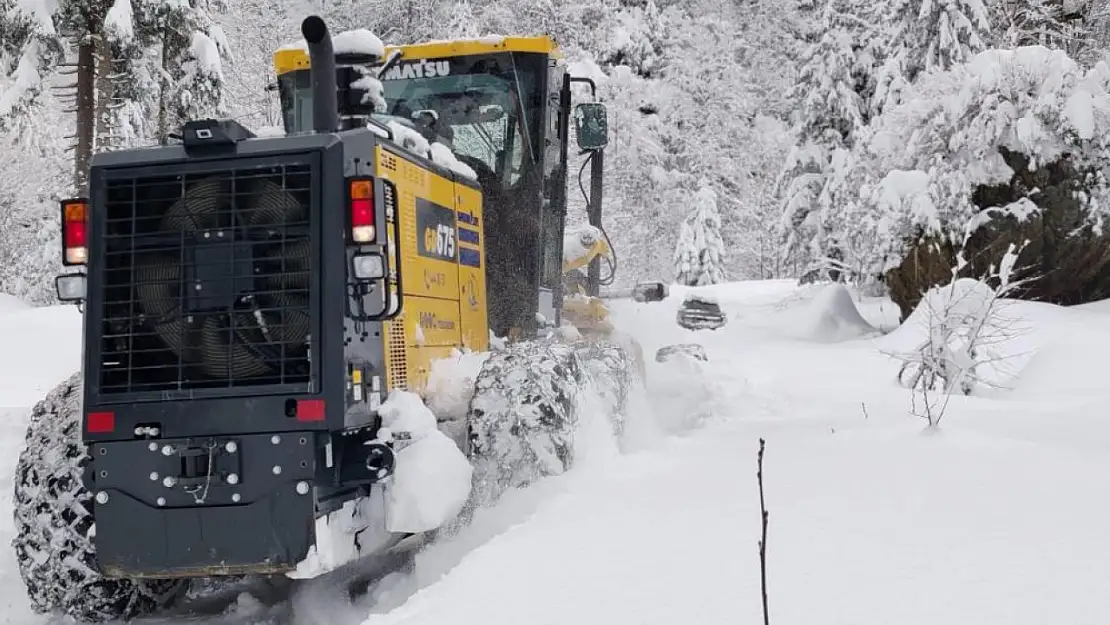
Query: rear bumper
point(203, 522)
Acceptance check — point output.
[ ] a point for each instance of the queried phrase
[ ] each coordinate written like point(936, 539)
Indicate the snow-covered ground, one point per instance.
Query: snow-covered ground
point(998, 518)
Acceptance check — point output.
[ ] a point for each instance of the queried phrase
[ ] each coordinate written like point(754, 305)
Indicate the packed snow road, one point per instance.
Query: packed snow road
point(998, 518)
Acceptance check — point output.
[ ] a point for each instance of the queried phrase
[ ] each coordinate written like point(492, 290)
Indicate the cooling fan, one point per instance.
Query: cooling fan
point(233, 299)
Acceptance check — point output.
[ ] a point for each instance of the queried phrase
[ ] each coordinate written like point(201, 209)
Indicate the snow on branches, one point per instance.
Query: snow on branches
point(1032, 101)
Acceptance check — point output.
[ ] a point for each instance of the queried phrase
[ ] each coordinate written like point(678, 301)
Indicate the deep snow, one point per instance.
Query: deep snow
point(998, 518)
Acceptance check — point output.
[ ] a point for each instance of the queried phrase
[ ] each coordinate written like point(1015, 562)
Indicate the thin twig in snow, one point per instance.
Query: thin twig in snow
point(763, 536)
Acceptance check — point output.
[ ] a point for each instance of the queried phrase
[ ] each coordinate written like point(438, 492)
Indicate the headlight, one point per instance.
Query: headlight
point(71, 287)
point(369, 266)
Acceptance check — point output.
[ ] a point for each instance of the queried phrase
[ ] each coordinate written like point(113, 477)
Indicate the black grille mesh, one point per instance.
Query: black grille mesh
point(207, 280)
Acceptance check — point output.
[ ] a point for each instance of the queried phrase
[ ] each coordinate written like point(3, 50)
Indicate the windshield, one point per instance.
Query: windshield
point(485, 108)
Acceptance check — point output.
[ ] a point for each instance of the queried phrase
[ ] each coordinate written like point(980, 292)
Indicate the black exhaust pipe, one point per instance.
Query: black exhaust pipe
point(321, 56)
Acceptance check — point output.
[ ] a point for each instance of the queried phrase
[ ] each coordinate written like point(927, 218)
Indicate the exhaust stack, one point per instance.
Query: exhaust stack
point(321, 55)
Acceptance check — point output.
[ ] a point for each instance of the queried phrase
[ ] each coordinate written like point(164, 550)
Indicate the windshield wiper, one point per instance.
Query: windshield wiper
point(389, 63)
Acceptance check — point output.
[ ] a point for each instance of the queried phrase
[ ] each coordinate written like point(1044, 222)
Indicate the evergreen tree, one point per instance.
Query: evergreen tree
point(113, 44)
point(829, 119)
point(700, 252)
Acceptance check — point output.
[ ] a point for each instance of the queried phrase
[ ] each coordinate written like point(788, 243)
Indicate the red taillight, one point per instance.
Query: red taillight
point(75, 236)
point(100, 422)
point(310, 410)
point(361, 195)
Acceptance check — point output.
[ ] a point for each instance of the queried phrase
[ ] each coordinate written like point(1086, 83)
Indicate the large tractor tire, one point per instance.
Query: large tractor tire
point(54, 523)
point(525, 411)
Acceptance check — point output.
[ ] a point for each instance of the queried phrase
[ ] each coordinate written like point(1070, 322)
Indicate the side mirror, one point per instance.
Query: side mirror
point(650, 292)
point(591, 124)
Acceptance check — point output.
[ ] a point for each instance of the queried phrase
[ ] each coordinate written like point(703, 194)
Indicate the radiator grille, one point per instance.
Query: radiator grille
point(207, 280)
point(397, 355)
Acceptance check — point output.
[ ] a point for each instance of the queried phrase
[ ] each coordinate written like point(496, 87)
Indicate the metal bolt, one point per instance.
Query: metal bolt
point(303, 441)
point(302, 488)
point(208, 235)
point(102, 497)
point(233, 478)
point(197, 286)
point(167, 451)
point(169, 481)
point(161, 501)
point(277, 469)
point(153, 446)
point(236, 497)
point(231, 447)
point(275, 439)
point(154, 476)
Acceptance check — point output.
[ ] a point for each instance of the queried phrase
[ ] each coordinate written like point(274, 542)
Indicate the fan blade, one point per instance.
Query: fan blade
point(224, 354)
point(289, 264)
point(270, 204)
point(157, 282)
point(199, 208)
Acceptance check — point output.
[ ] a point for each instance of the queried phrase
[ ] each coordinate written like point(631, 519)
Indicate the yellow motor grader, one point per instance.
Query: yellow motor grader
point(255, 306)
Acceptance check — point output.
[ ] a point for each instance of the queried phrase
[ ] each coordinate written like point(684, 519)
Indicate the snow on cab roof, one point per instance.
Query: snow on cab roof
point(357, 41)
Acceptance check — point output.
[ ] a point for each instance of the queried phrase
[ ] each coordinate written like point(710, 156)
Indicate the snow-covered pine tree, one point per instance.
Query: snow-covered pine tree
point(937, 34)
point(110, 44)
point(191, 52)
point(1078, 27)
point(829, 117)
point(109, 53)
point(700, 252)
point(1030, 22)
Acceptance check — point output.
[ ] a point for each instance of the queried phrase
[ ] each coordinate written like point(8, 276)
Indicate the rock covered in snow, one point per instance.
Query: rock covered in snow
point(1000, 150)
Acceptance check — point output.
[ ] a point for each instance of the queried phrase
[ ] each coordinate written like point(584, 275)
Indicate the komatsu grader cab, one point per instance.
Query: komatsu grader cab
point(251, 304)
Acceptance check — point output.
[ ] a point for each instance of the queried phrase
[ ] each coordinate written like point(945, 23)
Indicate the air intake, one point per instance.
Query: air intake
point(207, 280)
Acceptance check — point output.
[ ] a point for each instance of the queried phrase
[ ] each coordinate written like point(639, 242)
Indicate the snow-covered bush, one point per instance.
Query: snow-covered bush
point(1009, 146)
point(700, 253)
point(964, 331)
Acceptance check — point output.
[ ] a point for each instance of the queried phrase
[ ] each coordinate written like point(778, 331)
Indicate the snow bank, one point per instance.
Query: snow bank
point(971, 329)
point(11, 303)
point(42, 347)
point(942, 514)
point(451, 383)
point(833, 317)
point(431, 482)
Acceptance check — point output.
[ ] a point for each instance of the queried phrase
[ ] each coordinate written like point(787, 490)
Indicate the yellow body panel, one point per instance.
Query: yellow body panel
point(291, 59)
point(442, 269)
point(472, 280)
